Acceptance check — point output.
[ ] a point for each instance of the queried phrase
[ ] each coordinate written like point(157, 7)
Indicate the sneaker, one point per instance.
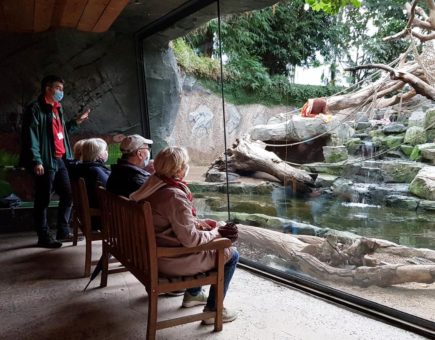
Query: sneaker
point(194, 300)
point(228, 315)
point(48, 242)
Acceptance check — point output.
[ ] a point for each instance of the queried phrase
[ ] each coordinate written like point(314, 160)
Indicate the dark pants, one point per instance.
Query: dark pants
point(53, 181)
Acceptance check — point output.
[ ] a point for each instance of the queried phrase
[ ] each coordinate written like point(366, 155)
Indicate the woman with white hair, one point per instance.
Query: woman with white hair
point(93, 170)
point(176, 225)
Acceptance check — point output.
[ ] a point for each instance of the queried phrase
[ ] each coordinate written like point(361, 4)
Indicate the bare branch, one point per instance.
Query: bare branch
point(420, 86)
point(423, 37)
point(384, 102)
point(405, 31)
point(430, 4)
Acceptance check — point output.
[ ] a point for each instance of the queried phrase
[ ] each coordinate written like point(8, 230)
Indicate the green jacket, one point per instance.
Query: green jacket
point(37, 140)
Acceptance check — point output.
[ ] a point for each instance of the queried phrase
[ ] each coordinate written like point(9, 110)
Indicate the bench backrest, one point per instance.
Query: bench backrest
point(129, 235)
point(82, 214)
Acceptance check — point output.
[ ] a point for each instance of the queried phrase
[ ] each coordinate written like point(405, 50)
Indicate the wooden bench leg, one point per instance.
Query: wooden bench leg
point(75, 230)
point(105, 268)
point(152, 315)
point(88, 257)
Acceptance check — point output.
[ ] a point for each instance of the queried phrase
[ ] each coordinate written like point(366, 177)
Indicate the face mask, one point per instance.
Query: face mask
point(146, 161)
point(58, 95)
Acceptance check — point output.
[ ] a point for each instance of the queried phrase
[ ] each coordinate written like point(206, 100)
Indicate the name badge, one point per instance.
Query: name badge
point(60, 135)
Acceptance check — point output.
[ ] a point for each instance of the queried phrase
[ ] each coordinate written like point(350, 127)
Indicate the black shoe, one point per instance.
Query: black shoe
point(48, 242)
point(68, 237)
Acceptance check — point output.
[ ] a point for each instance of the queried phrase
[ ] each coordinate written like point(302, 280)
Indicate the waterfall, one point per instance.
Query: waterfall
point(367, 149)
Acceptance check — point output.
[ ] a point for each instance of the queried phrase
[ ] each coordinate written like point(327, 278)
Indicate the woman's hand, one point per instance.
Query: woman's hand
point(205, 224)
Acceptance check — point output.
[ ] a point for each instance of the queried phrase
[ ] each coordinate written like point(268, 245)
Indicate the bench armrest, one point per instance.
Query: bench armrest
point(220, 243)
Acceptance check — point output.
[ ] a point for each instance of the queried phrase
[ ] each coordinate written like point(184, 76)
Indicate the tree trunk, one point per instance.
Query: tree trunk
point(250, 156)
point(300, 253)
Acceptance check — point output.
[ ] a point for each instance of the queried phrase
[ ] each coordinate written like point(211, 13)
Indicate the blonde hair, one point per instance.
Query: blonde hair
point(92, 149)
point(77, 149)
point(170, 161)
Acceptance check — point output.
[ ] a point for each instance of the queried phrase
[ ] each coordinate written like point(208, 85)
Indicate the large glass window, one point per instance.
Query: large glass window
point(328, 197)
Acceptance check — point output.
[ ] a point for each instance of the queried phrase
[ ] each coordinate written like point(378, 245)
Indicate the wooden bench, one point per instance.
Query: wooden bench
point(129, 236)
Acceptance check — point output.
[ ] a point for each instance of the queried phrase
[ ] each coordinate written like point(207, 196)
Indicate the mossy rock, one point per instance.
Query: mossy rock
point(415, 154)
point(430, 118)
point(353, 145)
point(406, 149)
point(376, 133)
point(415, 135)
point(423, 185)
point(393, 141)
point(430, 135)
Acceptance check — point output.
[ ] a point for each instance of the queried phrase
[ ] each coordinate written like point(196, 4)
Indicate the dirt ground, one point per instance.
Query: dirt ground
point(414, 298)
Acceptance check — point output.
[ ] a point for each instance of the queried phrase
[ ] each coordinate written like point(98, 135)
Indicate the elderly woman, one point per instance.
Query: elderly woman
point(93, 170)
point(77, 149)
point(176, 224)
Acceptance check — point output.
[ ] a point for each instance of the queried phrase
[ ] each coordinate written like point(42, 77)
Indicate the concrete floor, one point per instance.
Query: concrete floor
point(41, 298)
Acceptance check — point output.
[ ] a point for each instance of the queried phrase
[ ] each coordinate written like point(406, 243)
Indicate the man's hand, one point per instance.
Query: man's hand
point(81, 118)
point(38, 169)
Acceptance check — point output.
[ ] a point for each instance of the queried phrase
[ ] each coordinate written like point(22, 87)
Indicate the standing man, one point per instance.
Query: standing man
point(44, 149)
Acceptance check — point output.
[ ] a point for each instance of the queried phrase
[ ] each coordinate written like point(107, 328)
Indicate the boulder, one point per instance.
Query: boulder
point(430, 135)
point(353, 146)
point(417, 118)
point(423, 185)
point(334, 154)
point(428, 154)
point(394, 128)
point(416, 152)
point(402, 202)
point(415, 135)
point(396, 171)
point(429, 121)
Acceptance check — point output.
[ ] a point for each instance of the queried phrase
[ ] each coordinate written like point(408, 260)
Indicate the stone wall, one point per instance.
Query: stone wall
point(99, 72)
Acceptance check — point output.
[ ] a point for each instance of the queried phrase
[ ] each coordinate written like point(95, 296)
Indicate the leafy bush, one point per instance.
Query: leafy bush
point(191, 63)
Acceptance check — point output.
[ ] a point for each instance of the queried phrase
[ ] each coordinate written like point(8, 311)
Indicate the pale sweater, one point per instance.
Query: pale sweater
point(174, 225)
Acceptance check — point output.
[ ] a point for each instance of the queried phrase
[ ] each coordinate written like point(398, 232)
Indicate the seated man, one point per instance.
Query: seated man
point(130, 172)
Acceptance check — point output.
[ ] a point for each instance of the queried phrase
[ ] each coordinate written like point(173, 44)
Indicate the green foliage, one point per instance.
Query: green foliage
point(191, 63)
point(277, 36)
point(352, 34)
point(114, 153)
point(331, 6)
point(246, 81)
point(8, 159)
point(278, 91)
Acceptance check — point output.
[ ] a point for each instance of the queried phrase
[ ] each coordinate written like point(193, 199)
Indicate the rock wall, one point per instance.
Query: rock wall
point(99, 72)
point(199, 124)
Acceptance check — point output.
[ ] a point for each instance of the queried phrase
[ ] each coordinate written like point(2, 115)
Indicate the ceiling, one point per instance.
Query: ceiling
point(128, 16)
point(41, 15)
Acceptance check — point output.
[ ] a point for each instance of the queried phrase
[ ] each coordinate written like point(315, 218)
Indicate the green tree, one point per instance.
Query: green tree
point(273, 38)
point(359, 32)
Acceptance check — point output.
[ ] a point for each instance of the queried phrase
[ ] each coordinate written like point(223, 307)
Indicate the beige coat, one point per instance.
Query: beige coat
point(175, 226)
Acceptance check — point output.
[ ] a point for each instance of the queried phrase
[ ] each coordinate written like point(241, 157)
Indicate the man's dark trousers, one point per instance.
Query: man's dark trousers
point(53, 181)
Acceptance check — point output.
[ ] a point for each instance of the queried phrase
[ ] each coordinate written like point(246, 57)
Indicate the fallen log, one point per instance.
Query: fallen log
point(249, 156)
point(301, 257)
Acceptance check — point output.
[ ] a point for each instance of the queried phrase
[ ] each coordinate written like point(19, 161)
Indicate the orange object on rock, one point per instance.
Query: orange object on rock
point(314, 106)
